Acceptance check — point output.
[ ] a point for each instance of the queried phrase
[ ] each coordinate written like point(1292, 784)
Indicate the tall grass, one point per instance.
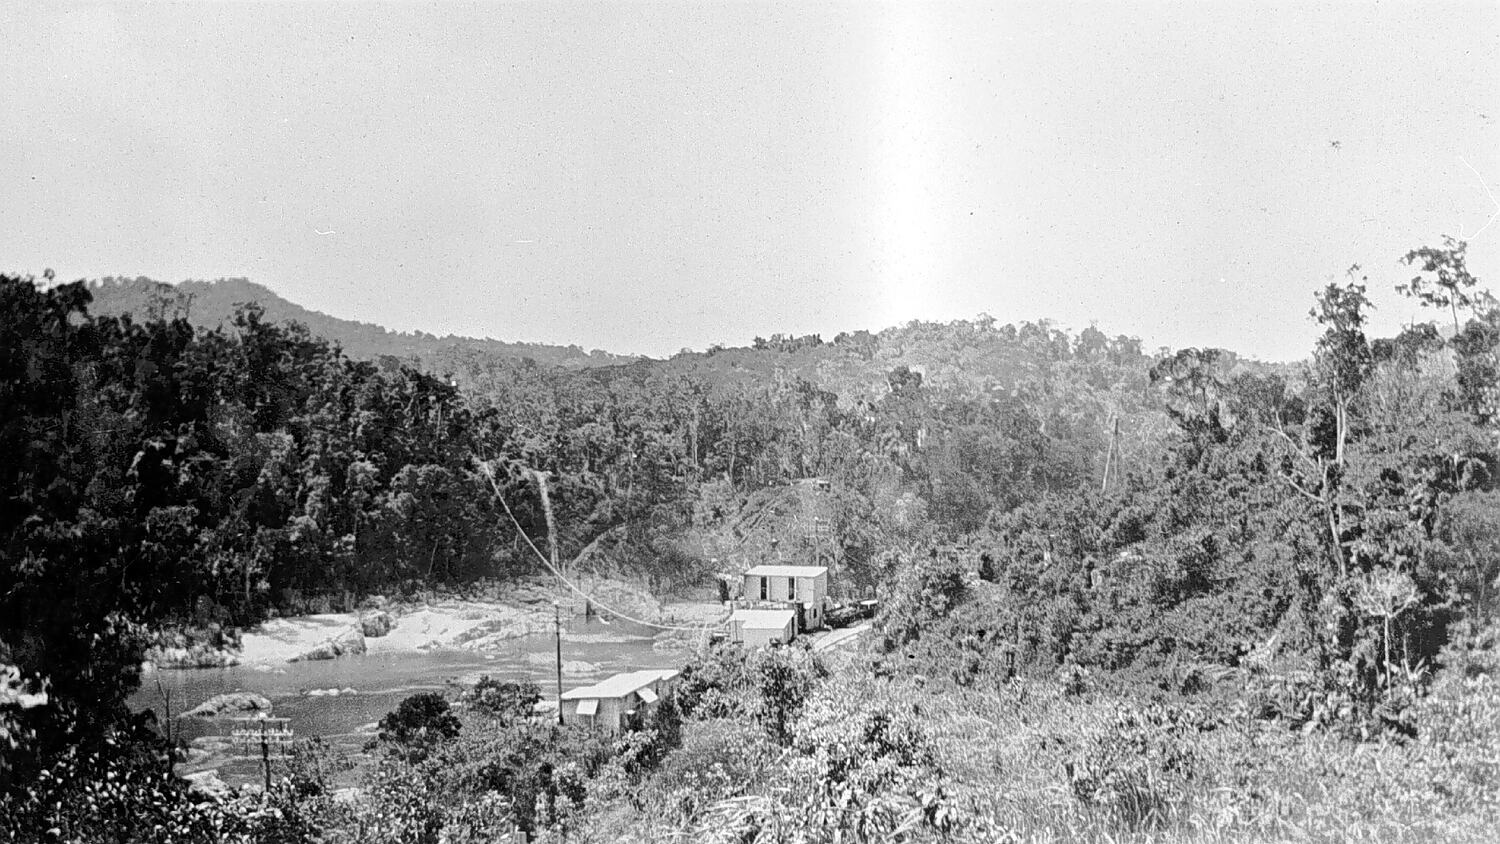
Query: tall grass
point(902, 759)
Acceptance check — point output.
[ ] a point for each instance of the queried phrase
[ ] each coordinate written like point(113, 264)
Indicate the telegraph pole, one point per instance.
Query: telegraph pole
point(557, 628)
point(267, 732)
point(265, 757)
point(1109, 456)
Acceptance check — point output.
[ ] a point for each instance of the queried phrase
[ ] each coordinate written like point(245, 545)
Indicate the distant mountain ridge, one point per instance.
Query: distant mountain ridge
point(975, 356)
point(211, 303)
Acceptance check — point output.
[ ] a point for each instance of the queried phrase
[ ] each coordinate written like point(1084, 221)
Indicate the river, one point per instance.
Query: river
point(381, 681)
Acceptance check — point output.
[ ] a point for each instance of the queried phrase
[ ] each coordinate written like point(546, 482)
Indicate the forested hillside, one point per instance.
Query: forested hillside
point(161, 472)
point(1032, 505)
point(946, 420)
point(209, 304)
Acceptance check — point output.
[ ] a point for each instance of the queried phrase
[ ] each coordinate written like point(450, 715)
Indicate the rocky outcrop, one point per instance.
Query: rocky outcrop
point(349, 643)
point(329, 692)
point(211, 646)
point(229, 703)
point(213, 745)
point(207, 783)
point(191, 755)
point(574, 667)
point(495, 633)
point(377, 623)
point(671, 645)
point(327, 650)
point(195, 656)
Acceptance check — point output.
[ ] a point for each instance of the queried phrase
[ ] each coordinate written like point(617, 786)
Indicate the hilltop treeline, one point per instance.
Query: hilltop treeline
point(210, 304)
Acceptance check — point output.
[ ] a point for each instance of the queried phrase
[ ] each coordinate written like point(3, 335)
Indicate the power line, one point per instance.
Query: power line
point(489, 475)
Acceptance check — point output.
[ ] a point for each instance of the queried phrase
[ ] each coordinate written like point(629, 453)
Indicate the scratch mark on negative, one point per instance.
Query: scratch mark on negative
point(1488, 192)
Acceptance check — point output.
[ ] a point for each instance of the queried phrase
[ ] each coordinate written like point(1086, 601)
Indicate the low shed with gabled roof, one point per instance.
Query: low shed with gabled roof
point(760, 628)
point(608, 703)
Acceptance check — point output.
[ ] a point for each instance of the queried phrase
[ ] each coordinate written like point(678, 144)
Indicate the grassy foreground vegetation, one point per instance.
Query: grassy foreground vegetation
point(894, 758)
point(790, 746)
point(1265, 611)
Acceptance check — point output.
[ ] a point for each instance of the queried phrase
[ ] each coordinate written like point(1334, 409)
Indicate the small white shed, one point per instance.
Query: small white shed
point(606, 704)
point(759, 628)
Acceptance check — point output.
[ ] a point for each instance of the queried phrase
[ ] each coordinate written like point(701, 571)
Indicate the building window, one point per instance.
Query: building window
point(791, 588)
point(765, 587)
point(587, 710)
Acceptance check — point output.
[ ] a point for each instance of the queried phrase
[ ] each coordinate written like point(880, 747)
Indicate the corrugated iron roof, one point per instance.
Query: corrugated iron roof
point(788, 571)
point(620, 685)
point(763, 619)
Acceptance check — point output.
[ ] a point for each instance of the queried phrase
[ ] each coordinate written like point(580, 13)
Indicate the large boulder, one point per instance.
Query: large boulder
point(191, 755)
point(232, 702)
point(212, 646)
point(199, 655)
point(329, 692)
point(575, 667)
point(213, 745)
point(207, 783)
point(350, 642)
point(327, 650)
point(377, 623)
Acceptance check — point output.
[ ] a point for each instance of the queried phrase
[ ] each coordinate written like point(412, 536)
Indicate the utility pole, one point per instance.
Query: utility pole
point(1114, 438)
point(557, 628)
point(270, 733)
point(265, 757)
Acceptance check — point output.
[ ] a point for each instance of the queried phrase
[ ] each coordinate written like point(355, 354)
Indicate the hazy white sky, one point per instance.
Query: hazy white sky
point(644, 177)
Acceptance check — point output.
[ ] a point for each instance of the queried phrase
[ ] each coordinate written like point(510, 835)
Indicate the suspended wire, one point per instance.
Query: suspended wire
point(489, 475)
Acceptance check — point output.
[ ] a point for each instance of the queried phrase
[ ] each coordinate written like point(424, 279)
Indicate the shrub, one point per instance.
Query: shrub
point(1140, 768)
point(784, 682)
point(716, 684)
point(484, 819)
point(419, 723)
point(651, 737)
point(866, 768)
point(403, 803)
point(119, 789)
point(502, 699)
point(926, 590)
point(718, 759)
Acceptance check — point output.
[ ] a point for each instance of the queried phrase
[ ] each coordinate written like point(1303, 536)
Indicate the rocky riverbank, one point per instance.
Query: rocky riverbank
point(232, 703)
point(482, 620)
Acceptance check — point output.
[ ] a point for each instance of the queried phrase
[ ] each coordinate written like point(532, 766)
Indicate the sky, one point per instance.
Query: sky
point(647, 177)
